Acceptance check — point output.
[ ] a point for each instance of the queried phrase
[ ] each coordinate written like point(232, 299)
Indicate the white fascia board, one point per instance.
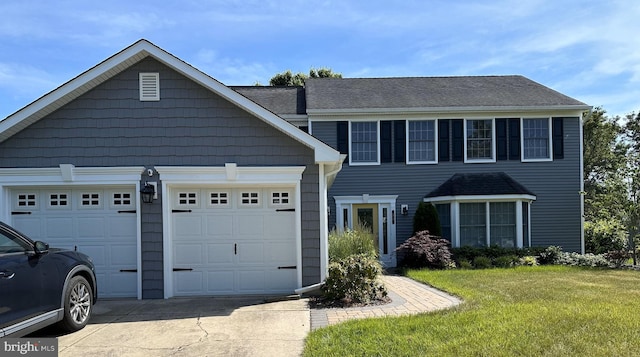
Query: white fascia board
point(79, 176)
point(480, 198)
point(450, 112)
point(241, 175)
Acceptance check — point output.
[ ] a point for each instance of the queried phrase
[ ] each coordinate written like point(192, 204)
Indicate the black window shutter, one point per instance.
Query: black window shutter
point(457, 139)
point(558, 138)
point(501, 139)
point(399, 144)
point(443, 140)
point(343, 136)
point(385, 141)
point(514, 139)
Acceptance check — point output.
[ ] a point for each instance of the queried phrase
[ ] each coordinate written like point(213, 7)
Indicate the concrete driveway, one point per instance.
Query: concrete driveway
point(191, 327)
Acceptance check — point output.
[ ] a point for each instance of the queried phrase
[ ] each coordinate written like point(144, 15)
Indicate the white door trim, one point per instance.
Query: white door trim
point(228, 176)
point(346, 202)
point(69, 175)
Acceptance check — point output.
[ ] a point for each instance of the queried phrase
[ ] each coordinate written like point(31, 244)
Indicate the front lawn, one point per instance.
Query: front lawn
point(525, 311)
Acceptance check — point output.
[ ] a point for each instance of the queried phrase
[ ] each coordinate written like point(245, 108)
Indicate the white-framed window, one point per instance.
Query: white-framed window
point(188, 198)
point(59, 200)
point(364, 142)
point(536, 139)
point(280, 198)
point(219, 199)
point(250, 198)
point(422, 146)
point(149, 87)
point(121, 199)
point(479, 143)
point(27, 200)
point(90, 200)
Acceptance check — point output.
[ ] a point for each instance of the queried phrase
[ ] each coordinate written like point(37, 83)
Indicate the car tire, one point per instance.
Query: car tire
point(78, 304)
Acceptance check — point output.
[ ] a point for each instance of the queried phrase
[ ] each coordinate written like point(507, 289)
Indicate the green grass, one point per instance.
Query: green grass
point(526, 311)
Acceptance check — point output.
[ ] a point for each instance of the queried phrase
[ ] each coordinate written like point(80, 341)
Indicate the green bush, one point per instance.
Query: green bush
point(481, 262)
point(500, 257)
point(528, 261)
point(358, 240)
point(465, 264)
point(426, 219)
point(617, 258)
point(354, 280)
point(505, 261)
point(550, 255)
point(425, 250)
point(604, 235)
point(583, 260)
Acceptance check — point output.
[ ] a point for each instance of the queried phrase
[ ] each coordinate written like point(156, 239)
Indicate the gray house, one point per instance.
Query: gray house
point(499, 156)
point(240, 194)
point(243, 184)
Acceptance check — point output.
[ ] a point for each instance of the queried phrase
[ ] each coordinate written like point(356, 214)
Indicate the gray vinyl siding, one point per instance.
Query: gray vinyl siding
point(189, 126)
point(555, 215)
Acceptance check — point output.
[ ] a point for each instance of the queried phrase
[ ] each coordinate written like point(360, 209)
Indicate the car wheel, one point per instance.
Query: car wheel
point(78, 303)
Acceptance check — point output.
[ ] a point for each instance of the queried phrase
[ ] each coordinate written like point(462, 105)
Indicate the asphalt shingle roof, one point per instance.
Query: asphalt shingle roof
point(431, 92)
point(476, 184)
point(278, 99)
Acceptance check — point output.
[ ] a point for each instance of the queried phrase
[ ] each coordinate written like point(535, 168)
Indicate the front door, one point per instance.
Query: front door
point(377, 217)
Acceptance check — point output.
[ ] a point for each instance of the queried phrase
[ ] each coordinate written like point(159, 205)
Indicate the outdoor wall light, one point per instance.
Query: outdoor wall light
point(148, 192)
point(405, 209)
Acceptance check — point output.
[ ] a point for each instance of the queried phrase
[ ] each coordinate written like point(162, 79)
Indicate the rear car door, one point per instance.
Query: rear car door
point(28, 281)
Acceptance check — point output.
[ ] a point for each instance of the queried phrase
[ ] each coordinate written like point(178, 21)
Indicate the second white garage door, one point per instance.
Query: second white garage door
point(233, 241)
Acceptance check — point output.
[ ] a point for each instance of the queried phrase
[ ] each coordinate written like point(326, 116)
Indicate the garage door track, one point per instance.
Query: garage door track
point(203, 326)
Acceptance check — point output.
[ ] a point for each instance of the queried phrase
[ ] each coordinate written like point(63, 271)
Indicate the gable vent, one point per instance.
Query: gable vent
point(149, 86)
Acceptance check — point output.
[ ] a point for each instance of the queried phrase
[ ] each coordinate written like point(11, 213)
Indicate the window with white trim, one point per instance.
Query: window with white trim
point(280, 198)
point(536, 139)
point(473, 224)
point(187, 198)
point(58, 200)
point(479, 140)
point(421, 143)
point(121, 199)
point(27, 200)
point(218, 199)
point(364, 148)
point(90, 199)
point(250, 198)
point(500, 218)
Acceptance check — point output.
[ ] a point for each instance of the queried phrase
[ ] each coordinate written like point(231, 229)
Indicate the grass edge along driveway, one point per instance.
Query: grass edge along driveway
point(524, 311)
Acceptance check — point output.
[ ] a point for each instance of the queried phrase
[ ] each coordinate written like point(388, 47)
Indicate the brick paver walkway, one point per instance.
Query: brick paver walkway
point(408, 297)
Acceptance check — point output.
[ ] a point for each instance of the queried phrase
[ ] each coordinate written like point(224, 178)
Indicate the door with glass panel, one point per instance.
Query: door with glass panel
point(377, 217)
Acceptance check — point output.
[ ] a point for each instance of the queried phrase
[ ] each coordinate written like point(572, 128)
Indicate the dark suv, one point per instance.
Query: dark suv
point(41, 286)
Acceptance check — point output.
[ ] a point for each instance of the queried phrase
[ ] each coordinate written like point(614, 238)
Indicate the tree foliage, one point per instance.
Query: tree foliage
point(426, 219)
point(287, 78)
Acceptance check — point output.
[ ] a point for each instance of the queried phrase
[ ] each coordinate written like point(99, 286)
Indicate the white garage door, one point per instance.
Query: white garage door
point(98, 221)
point(233, 241)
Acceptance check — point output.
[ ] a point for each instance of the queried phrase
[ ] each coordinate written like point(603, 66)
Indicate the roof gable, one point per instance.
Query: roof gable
point(115, 64)
point(433, 93)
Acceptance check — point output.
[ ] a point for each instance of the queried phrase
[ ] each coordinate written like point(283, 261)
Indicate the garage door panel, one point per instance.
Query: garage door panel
point(59, 227)
point(243, 243)
point(188, 254)
point(122, 284)
point(123, 255)
point(249, 225)
point(29, 226)
point(219, 225)
point(187, 225)
point(220, 253)
point(220, 282)
point(122, 225)
point(189, 282)
point(251, 253)
point(99, 255)
point(91, 227)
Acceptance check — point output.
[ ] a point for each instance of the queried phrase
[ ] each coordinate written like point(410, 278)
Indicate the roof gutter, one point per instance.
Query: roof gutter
point(449, 109)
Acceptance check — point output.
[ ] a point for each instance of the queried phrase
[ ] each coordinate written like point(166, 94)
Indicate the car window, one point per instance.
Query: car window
point(9, 244)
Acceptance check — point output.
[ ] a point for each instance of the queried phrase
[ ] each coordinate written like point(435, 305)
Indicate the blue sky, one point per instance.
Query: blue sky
point(589, 50)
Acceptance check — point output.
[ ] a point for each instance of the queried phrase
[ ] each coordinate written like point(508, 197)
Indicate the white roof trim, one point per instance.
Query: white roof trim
point(366, 111)
point(127, 57)
point(480, 198)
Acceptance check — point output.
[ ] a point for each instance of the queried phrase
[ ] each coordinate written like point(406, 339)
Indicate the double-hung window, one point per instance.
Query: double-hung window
point(536, 139)
point(479, 140)
point(421, 145)
point(364, 139)
point(488, 223)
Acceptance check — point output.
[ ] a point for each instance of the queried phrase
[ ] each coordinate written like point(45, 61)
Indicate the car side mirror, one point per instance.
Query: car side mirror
point(41, 248)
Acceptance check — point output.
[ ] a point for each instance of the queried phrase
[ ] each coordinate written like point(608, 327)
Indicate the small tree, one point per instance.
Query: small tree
point(287, 78)
point(426, 219)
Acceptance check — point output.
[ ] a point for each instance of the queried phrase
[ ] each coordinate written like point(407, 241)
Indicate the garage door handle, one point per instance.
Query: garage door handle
point(128, 270)
point(19, 212)
point(288, 267)
point(286, 210)
point(182, 269)
point(180, 211)
point(7, 274)
point(127, 211)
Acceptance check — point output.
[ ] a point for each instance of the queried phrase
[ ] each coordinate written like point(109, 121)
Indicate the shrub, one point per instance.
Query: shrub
point(425, 250)
point(426, 219)
point(583, 260)
point(550, 255)
point(358, 240)
point(482, 262)
point(505, 261)
point(465, 264)
point(617, 258)
point(354, 279)
point(528, 261)
point(604, 235)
